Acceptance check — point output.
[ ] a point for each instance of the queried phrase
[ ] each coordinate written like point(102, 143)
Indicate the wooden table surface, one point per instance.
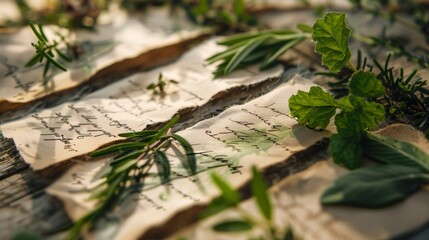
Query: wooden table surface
point(25, 206)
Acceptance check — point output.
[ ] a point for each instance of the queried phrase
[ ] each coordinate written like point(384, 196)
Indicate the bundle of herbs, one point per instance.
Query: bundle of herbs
point(404, 167)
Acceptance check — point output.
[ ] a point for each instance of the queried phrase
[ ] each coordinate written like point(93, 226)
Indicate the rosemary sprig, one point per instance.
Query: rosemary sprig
point(263, 47)
point(47, 51)
point(406, 98)
point(159, 87)
point(129, 168)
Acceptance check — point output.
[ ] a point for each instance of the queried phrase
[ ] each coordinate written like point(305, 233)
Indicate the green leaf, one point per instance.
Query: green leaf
point(344, 104)
point(33, 60)
point(54, 62)
point(63, 55)
point(370, 114)
point(242, 53)
point(127, 156)
point(163, 164)
point(232, 226)
point(227, 54)
point(305, 28)
point(229, 194)
point(189, 151)
point(392, 151)
point(373, 187)
point(120, 147)
point(38, 35)
point(167, 126)
point(346, 150)
point(366, 85)
point(142, 134)
point(269, 62)
point(46, 68)
point(244, 37)
point(42, 33)
point(259, 190)
point(239, 8)
point(345, 147)
point(331, 36)
point(216, 205)
point(314, 108)
point(348, 123)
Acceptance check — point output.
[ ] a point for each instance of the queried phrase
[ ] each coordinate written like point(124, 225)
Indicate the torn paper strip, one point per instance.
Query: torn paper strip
point(76, 128)
point(260, 132)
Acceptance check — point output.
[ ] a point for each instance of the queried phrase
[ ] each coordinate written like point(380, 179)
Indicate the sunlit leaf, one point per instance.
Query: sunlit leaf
point(232, 226)
point(332, 40)
point(260, 193)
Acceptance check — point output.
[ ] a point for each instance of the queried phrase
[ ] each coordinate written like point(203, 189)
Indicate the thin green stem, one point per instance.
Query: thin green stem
point(351, 66)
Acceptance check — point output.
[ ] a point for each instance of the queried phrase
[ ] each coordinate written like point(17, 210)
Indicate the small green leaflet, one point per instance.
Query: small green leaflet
point(346, 150)
point(374, 187)
point(348, 124)
point(120, 147)
point(189, 152)
point(259, 190)
point(216, 205)
point(331, 36)
point(229, 194)
point(392, 151)
point(366, 85)
point(370, 114)
point(263, 47)
point(314, 108)
point(232, 226)
point(163, 165)
point(243, 52)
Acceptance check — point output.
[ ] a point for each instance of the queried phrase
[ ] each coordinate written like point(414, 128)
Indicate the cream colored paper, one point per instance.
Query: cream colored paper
point(296, 204)
point(75, 128)
point(119, 38)
point(260, 132)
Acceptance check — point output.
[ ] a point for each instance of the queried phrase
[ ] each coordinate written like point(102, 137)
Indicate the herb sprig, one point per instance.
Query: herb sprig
point(230, 199)
point(405, 167)
point(259, 47)
point(47, 51)
point(159, 87)
point(130, 167)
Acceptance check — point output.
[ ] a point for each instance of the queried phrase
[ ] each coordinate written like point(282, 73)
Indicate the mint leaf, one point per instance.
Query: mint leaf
point(331, 36)
point(346, 149)
point(366, 85)
point(344, 104)
point(373, 187)
point(369, 114)
point(348, 124)
point(314, 108)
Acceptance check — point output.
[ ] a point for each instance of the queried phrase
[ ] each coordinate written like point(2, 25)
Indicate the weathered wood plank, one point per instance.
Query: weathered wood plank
point(10, 160)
